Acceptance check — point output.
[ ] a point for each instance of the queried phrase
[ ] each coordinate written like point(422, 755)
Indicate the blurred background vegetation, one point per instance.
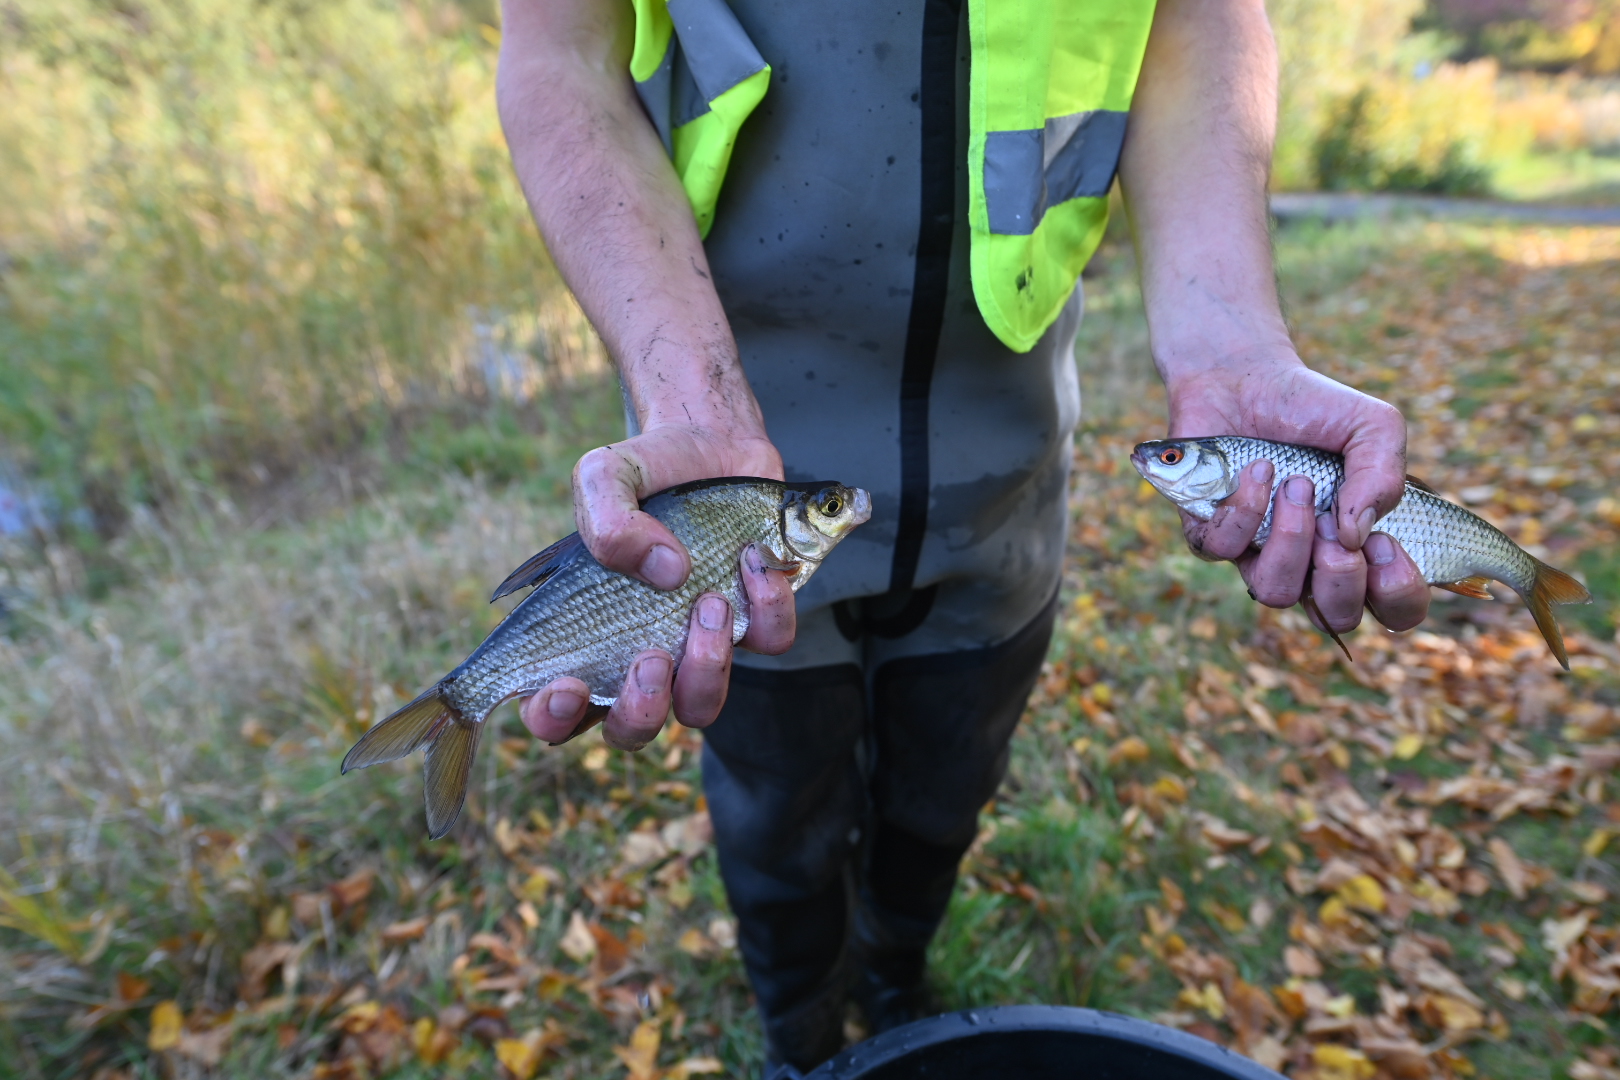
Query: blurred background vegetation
point(286, 382)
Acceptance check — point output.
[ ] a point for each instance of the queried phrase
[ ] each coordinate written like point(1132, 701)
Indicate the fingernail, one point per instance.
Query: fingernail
point(1364, 523)
point(652, 673)
point(661, 568)
point(1379, 549)
point(1261, 471)
point(1326, 527)
point(564, 704)
point(713, 613)
point(1298, 490)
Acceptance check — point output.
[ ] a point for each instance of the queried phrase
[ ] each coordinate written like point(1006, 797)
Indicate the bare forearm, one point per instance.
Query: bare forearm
point(613, 214)
point(1194, 172)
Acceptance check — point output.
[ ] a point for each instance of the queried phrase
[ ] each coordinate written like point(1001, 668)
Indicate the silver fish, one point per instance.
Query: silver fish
point(589, 622)
point(1453, 548)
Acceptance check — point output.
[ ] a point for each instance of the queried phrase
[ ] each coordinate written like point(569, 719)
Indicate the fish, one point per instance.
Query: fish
point(587, 621)
point(1454, 548)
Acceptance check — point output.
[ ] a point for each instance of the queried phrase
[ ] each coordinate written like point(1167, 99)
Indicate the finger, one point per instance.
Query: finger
point(1277, 575)
point(638, 714)
point(556, 710)
point(1338, 579)
point(772, 619)
point(1374, 471)
point(1396, 591)
point(705, 671)
point(608, 484)
point(1230, 532)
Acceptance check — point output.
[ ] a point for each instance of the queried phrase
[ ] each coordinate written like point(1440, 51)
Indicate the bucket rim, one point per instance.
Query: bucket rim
point(963, 1024)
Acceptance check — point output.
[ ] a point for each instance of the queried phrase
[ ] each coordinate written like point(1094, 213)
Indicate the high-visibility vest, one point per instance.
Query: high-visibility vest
point(1051, 87)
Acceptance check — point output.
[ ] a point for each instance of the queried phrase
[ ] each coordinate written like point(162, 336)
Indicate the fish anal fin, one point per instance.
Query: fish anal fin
point(539, 567)
point(444, 774)
point(1420, 485)
point(1477, 587)
point(1553, 586)
point(402, 732)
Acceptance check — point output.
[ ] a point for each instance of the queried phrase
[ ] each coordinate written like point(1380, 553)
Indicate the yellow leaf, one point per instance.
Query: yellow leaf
point(520, 1056)
point(165, 1033)
point(641, 1056)
point(1407, 746)
point(1333, 912)
point(695, 1066)
point(1362, 893)
point(1595, 843)
point(1342, 1063)
point(1209, 998)
point(1080, 746)
point(694, 942)
point(1343, 1006)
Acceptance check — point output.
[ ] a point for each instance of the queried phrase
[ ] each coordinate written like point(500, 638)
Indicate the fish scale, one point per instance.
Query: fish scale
point(588, 622)
point(1452, 547)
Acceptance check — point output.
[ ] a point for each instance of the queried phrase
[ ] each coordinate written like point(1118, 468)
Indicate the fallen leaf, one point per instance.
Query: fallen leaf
point(578, 943)
point(1334, 1062)
point(409, 930)
point(1362, 893)
point(1130, 749)
point(1509, 867)
point(520, 1057)
point(641, 1056)
point(165, 1027)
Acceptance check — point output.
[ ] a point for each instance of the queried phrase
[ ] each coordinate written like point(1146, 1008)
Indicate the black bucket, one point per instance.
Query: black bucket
point(1037, 1042)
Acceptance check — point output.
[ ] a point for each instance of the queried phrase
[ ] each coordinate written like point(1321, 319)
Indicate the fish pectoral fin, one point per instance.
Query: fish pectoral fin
point(1477, 587)
point(593, 716)
point(445, 771)
point(402, 732)
point(1308, 602)
point(540, 567)
point(771, 561)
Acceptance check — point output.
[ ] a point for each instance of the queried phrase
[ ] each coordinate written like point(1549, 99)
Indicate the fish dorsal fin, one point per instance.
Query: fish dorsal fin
point(1420, 485)
point(1477, 587)
point(540, 567)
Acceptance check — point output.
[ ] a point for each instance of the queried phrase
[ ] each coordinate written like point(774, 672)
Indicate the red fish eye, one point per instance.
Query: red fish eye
point(1170, 455)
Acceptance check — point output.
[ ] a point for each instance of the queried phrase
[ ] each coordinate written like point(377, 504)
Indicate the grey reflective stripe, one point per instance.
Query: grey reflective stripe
point(689, 101)
point(717, 48)
point(708, 55)
point(654, 92)
point(1028, 172)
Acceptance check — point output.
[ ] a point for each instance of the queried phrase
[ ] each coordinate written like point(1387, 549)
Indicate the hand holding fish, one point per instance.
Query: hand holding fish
point(1336, 555)
point(609, 484)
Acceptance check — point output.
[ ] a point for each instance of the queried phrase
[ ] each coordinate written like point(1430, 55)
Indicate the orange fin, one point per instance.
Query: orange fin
point(1308, 602)
point(1477, 587)
point(1553, 586)
point(1420, 485)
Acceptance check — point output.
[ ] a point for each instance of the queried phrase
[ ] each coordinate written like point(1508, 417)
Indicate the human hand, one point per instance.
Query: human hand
point(1339, 556)
point(609, 484)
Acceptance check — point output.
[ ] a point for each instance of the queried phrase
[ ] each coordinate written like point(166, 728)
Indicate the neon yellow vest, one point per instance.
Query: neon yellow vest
point(1051, 85)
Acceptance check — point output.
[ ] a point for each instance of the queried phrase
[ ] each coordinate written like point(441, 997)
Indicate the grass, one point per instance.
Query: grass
point(283, 353)
point(173, 808)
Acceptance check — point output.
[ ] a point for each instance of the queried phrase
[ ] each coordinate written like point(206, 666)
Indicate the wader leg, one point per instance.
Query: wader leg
point(786, 797)
point(942, 724)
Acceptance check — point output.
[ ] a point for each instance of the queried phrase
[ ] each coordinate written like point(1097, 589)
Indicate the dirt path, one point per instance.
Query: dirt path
point(1345, 206)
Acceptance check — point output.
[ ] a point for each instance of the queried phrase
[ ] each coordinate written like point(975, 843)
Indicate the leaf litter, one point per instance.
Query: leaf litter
point(1402, 867)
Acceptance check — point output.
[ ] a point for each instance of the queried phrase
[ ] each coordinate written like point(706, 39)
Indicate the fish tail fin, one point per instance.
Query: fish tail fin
point(1553, 586)
point(444, 775)
point(403, 732)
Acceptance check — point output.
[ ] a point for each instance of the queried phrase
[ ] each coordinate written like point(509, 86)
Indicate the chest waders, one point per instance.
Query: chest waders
point(1051, 88)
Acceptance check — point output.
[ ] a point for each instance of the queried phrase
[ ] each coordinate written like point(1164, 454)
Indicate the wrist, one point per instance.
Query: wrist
point(1193, 359)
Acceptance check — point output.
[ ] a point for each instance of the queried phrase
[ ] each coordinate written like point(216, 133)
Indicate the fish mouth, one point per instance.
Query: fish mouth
point(1139, 458)
point(863, 508)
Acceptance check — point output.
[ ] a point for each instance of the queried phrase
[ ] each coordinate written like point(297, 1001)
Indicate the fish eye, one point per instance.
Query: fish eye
point(832, 505)
point(1171, 455)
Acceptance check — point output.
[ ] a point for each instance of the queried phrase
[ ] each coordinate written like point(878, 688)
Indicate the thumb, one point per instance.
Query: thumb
point(1374, 473)
point(608, 485)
